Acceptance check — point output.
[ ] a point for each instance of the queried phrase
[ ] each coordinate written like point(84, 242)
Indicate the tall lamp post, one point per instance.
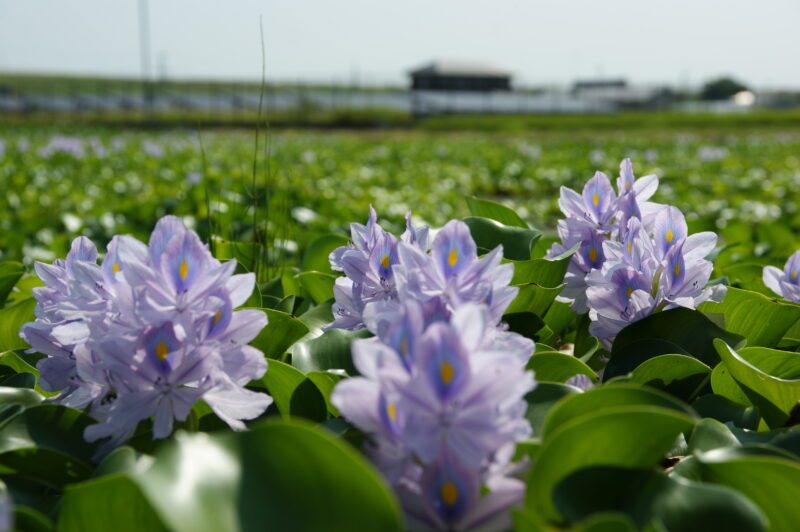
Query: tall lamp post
point(144, 55)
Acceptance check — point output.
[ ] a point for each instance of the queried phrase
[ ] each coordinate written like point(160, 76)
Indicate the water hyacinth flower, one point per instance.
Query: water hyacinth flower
point(648, 272)
point(785, 283)
point(594, 216)
point(368, 264)
point(147, 333)
point(441, 400)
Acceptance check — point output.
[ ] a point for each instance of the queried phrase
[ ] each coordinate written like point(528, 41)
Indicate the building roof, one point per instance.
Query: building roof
point(461, 68)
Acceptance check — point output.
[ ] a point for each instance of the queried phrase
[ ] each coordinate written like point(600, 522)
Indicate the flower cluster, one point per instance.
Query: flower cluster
point(785, 283)
point(634, 257)
point(442, 385)
point(379, 267)
point(147, 333)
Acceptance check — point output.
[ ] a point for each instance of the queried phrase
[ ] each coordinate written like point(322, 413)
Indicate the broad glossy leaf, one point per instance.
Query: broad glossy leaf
point(325, 381)
point(494, 211)
point(648, 494)
point(711, 434)
point(544, 272)
point(611, 396)
point(10, 273)
point(11, 320)
point(768, 377)
point(279, 475)
point(724, 385)
point(280, 381)
point(558, 367)
point(112, 502)
point(19, 396)
point(319, 285)
point(771, 483)
point(281, 332)
point(533, 298)
point(542, 399)
point(316, 255)
point(761, 320)
point(724, 410)
point(315, 318)
point(679, 375)
point(689, 329)
point(525, 323)
point(46, 442)
point(626, 359)
point(331, 350)
point(516, 241)
point(632, 436)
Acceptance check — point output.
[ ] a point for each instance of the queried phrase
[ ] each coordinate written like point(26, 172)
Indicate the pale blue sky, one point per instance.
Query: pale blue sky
point(681, 42)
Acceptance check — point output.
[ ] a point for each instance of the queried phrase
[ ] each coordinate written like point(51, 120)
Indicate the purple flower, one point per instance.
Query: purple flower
point(148, 333)
point(785, 283)
point(368, 264)
point(441, 399)
point(649, 272)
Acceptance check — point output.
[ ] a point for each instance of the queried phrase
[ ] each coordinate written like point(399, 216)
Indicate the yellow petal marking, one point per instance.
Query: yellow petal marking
point(446, 372)
point(391, 411)
point(162, 351)
point(595, 200)
point(670, 235)
point(183, 270)
point(452, 258)
point(217, 316)
point(630, 292)
point(115, 268)
point(593, 255)
point(677, 270)
point(794, 275)
point(385, 262)
point(449, 493)
point(404, 347)
point(630, 247)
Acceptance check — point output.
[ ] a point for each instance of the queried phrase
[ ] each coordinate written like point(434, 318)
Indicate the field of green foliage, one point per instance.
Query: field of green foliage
point(455, 390)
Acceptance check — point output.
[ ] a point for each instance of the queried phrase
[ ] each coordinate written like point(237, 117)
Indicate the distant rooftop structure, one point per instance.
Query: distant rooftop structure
point(618, 93)
point(460, 76)
point(590, 84)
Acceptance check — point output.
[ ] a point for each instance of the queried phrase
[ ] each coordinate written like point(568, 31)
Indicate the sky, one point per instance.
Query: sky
point(682, 43)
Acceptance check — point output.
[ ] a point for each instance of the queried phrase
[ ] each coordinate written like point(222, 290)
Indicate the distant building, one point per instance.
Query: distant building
point(618, 93)
point(460, 76)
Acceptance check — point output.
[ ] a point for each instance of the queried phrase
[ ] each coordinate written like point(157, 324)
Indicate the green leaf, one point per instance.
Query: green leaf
point(280, 381)
point(525, 323)
point(768, 377)
point(331, 350)
point(724, 385)
point(111, 502)
point(488, 234)
point(542, 399)
point(533, 298)
point(679, 375)
point(11, 320)
point(46, 442)
point(710, 434)
point(544, 272)
point(319, 285)
point(633, 436)
point(30, 520)
point(770, 482)
point(612, 396)
point(689, 329)
point(281, 332)
point(285, 476)
point(724, 410)
point(558, 367)
point(19, 396)
point(10, 273)
point(326, 381)
point(645, 495)
point(761, 320)
point(626, 359)
point(558, 317)
point(315, 257)
point(494, 211)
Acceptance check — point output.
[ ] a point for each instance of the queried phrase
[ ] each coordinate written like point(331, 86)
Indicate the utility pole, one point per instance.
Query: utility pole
point(144, 56)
